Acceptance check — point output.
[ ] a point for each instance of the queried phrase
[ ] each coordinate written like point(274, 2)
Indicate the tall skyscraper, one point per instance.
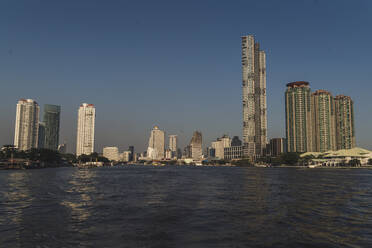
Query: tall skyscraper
point(156, 147)
point(345, 132)
point(85, 129)
point(41, 136)
point(26, 124)
point(298, 117)
point(173, 145)
point(254, 97)
point(131, 149)
point(323, 122)
point(196, 146)
point(277, 146)
point(51, 119)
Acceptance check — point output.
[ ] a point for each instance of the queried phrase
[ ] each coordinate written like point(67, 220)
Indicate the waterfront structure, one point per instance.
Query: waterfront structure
point(26, 124)
point(323, 122)
point(41, 135)
point(196, 146)
point(111, 153)
point(298, 117)
point(51, 120)
point(85, 129)
point(345, 132)
point(62, 148)
point(340, 157)
point(254, 97)
point(277, 146)
point(156, 147)
point(173, 144)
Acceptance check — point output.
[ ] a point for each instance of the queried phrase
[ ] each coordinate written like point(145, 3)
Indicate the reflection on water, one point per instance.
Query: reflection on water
point(80, 191)
point(185, 207)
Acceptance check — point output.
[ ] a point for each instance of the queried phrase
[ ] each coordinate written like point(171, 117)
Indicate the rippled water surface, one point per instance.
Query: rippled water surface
point(186, 207)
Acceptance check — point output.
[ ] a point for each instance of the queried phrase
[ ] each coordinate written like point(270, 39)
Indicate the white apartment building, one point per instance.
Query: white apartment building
point(111, 153)
point(155, 149)
point(85, 129)
point(26, 124)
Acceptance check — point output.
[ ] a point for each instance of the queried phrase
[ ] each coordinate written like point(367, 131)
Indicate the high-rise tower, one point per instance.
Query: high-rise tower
point(155, 149)
point(196, 146)
point(345, 133)
point(27, 124)
point(51, 120)
point(173, 145)
point(323, 122)
point(254, 97)
point(298, 117)
point(85, 129)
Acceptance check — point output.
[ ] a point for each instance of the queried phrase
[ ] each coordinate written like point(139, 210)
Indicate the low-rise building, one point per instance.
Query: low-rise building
point(111, 153)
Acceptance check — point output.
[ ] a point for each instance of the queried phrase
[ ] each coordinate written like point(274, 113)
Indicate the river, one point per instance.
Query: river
point(143, 206)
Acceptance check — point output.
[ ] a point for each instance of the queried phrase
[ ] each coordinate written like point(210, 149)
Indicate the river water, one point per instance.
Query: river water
point(138, 206)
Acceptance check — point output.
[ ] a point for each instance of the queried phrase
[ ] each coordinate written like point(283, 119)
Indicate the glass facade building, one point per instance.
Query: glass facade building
point(51, 120)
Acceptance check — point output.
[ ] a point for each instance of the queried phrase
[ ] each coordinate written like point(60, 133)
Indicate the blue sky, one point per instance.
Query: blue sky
point(176, 64)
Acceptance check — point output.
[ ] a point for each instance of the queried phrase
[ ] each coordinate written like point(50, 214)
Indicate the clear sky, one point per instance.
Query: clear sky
point(177, 64)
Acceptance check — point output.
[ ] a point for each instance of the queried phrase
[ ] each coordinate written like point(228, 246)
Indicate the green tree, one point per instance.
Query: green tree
point(290, 158)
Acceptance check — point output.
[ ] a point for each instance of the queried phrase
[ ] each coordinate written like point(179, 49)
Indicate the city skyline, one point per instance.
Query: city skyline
point(65, 74)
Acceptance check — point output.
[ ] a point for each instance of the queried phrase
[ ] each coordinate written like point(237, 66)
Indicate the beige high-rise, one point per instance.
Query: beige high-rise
point(196, 146)
point(298, 117)
point(156, 147)
point(254, 97)
point(85, 129)
point(323, 122)
point(26, 125)
point(345, 131)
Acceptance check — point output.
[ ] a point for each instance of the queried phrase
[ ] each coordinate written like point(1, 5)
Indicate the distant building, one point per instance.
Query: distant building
point(220, 144)
point(41, 136)
point(211, 152)
point(196, 144)
point(85, 129)
point(168, 154)
point(187, 152)
point(345, 129)
point(62, 148)
point(125, 156)
point(131, 149)
point(235, 150)
point(111, 153)
point(298, 117)
point(254, 97)
point(26, 124)
point(236, 141)
point(156, 147)
point(173, 145)
point(277, 146)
